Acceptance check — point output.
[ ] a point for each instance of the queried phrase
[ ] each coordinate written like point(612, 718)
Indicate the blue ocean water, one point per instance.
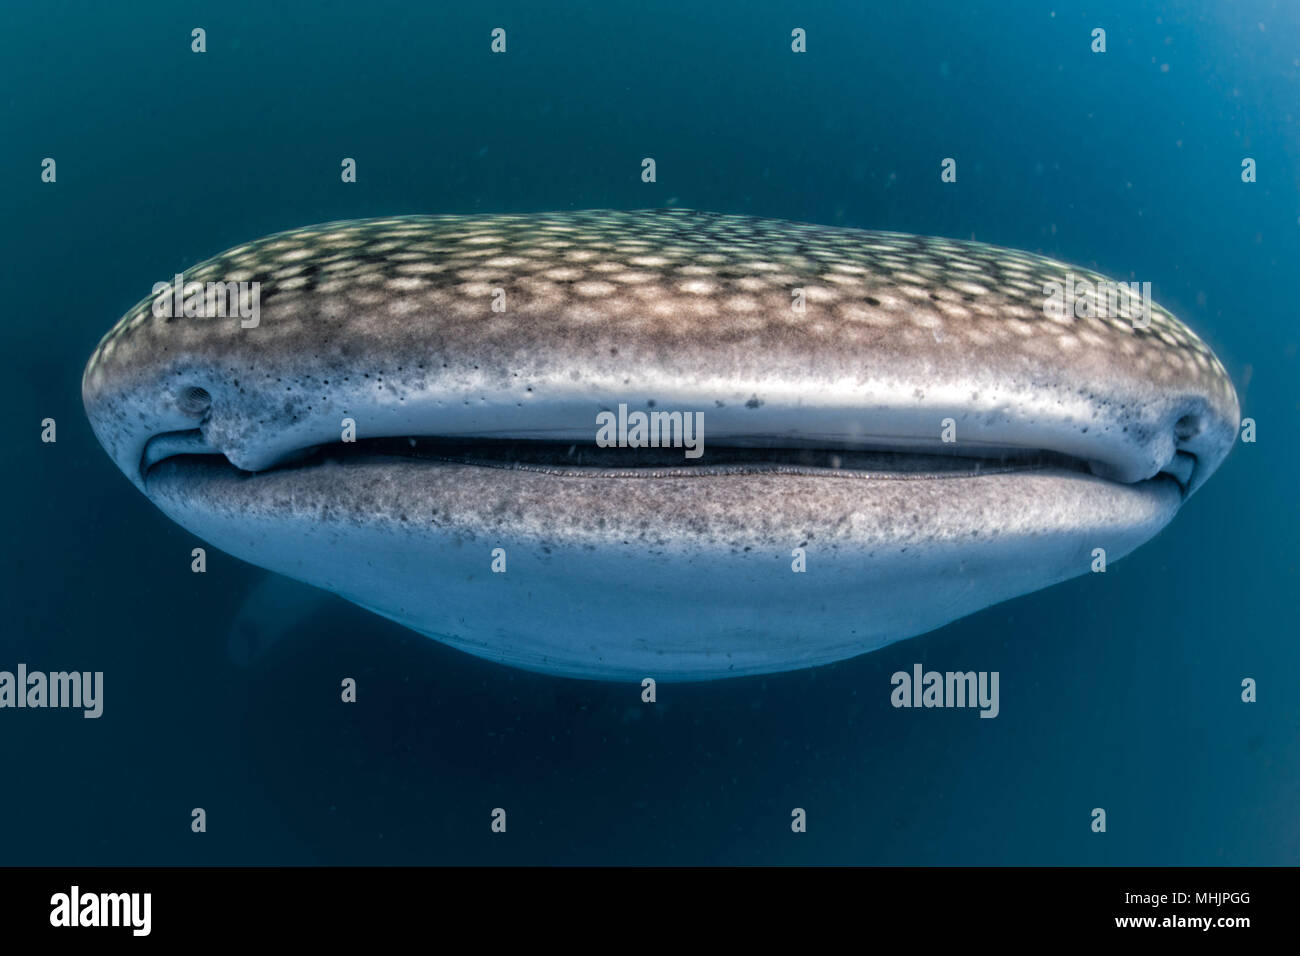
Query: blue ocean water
point(1119, 691)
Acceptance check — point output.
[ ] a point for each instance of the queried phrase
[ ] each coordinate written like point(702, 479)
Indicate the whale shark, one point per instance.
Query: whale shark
point(893, 431)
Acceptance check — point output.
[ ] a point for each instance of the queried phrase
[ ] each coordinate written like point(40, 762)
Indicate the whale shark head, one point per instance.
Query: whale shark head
point(665, 444)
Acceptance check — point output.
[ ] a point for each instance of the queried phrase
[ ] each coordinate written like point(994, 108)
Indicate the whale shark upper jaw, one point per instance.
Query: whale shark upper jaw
point(414, 394)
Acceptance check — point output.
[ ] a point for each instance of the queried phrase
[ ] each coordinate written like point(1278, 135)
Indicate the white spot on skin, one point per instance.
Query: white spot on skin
point(846, 281)
point(821, 295)
point(402, 307)
point(698, 287)
point(741, 303)
point(911, 277)
point(418, 268)
point(563, 274)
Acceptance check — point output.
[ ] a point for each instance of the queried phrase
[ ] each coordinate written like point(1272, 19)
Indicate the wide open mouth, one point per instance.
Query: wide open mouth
point(590, 460)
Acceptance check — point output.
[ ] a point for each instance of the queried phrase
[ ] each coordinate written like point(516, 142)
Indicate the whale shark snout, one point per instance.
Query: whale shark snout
point(890, 431)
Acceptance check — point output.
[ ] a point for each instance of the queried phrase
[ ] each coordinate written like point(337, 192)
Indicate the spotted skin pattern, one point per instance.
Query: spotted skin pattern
point(672, 270)
point(670, 307)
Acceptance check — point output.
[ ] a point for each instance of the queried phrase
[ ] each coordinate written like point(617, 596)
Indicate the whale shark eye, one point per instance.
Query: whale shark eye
point(194, 401)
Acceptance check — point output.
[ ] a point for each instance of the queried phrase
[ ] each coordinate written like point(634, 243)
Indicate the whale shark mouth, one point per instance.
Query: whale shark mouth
point(562, 458)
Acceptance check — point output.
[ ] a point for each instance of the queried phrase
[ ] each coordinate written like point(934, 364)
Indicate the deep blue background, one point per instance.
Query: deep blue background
point(1119, 691)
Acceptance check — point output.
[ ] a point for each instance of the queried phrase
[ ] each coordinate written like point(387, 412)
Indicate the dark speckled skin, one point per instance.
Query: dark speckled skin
point(391, 323)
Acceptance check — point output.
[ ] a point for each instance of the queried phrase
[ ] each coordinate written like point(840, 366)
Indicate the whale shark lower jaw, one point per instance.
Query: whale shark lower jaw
point(657, 444)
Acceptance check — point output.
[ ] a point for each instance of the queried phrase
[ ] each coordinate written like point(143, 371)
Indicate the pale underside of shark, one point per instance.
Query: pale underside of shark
point(897, 433)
